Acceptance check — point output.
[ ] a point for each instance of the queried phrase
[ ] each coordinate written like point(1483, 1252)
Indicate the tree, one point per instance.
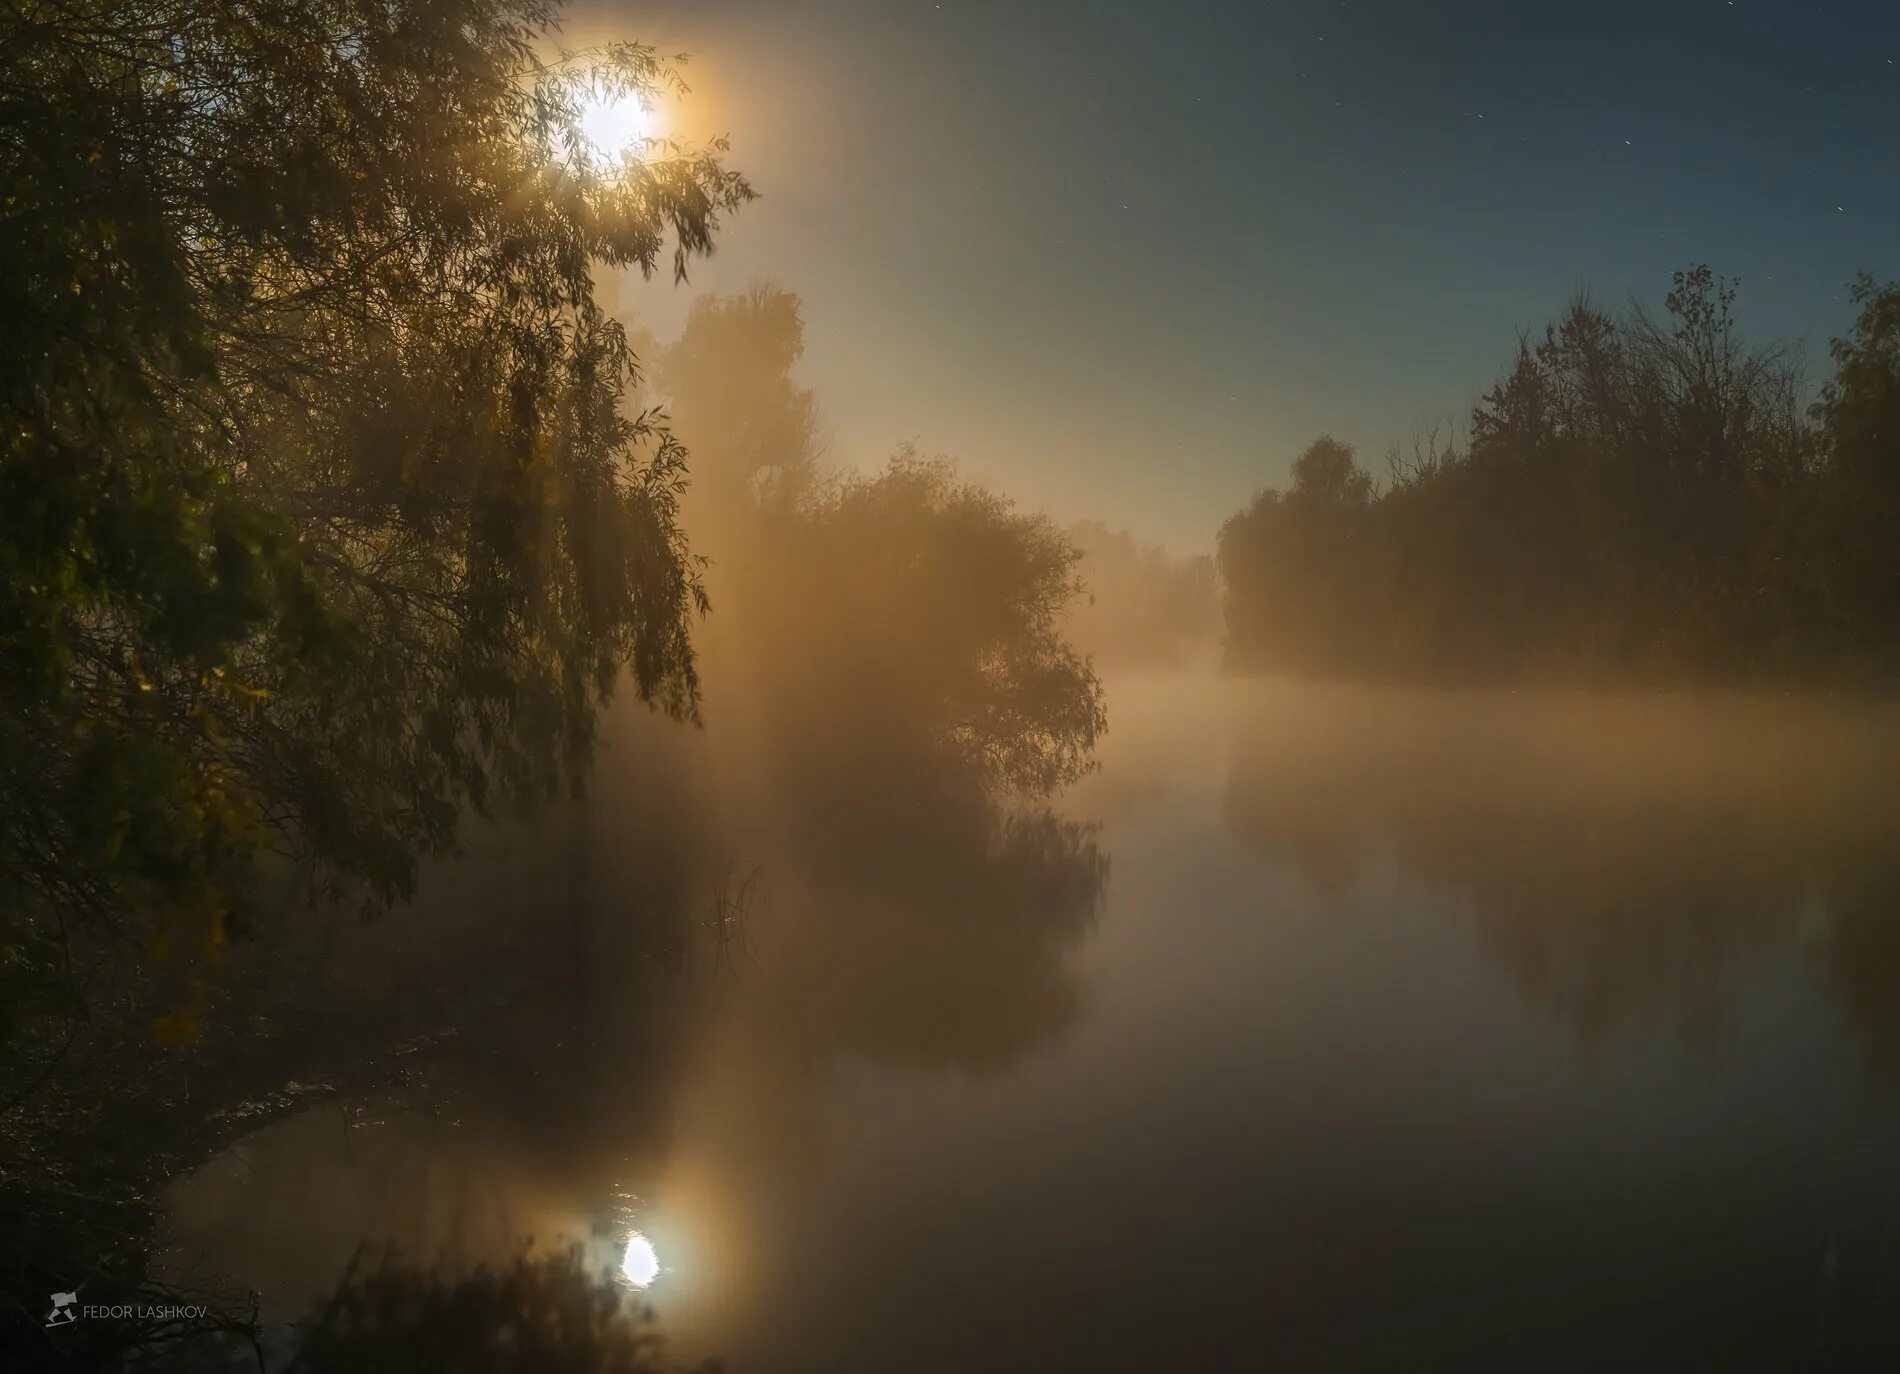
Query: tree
point(1144, 605)
point(1859, 411)
point(320, 518)
point(728, 384)
point(1639, 497)
point(1292, 562)
point(943, 622)
point(895, 630)
point(1327, 475)
point(543, 1313)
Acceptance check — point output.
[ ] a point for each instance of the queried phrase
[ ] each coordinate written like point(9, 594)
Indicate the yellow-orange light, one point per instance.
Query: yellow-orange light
point(617, 125)
point(641, 1264)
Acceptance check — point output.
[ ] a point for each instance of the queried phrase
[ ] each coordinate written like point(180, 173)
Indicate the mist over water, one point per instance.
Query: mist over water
point(1346, 1026)
point(555, 820)
point(988, 976)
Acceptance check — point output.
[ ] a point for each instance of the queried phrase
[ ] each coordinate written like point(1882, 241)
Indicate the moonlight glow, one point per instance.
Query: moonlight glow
point(616, 125)
point(641, 1265)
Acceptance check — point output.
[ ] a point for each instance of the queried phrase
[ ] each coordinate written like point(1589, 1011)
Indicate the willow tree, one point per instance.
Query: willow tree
point(322, 517)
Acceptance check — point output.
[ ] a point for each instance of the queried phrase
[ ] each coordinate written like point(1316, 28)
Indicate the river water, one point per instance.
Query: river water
point(1362, 1030)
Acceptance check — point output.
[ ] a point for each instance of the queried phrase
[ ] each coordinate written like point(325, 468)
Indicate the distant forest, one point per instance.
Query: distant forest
point(1638, 500)
point(1142, 607)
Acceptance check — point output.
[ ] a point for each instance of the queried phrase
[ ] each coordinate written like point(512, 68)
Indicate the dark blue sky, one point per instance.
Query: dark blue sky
point(1124, 260)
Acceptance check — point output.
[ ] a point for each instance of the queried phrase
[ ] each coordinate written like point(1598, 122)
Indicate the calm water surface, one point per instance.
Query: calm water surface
point(1367, 1030)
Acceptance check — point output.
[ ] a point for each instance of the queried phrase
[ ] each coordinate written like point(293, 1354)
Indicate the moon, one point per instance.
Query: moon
point(641, 1265)
point(615, 124)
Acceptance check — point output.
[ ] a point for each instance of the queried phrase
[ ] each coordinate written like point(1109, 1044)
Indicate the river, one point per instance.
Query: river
point(1358, 1029)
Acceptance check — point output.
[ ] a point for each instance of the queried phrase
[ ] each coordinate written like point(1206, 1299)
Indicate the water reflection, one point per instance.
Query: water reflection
point(902, 962)
point(537, 1313)
point(1618, 855)
point(653, 1114)
point(640, 1264)
point(1413, 1028)
point(941, 959)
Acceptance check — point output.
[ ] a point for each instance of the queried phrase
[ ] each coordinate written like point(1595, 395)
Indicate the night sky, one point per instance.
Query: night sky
point(1125, 260)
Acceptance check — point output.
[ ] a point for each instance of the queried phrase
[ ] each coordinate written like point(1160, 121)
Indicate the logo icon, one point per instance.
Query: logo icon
point(64, 1312)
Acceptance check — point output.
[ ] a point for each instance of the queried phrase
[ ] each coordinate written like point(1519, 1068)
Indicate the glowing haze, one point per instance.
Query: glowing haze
point(617, 126)
point(641, 1264)
point(1125, 261)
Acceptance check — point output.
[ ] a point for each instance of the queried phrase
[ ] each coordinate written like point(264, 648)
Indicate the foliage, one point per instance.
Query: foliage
point(905, 620)
point(1857, 582)
point(1638, 499)
point(1144, 606)
point(544, 1314)
point(944, 609)
point(321, 519)
point(1305, 538)
point(754, 429)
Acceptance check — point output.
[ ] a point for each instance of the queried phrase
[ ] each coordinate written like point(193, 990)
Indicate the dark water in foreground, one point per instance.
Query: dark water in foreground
point(1403, 1031)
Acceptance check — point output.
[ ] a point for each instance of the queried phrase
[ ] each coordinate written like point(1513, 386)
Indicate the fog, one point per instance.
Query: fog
point(998, 970)
point(1390, 1000)
point(569, 804)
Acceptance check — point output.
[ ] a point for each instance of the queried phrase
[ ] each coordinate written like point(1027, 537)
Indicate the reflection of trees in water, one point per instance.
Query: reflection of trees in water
point(542, 1314)
point(929, 943)
point(945, 955)
point(1617, 854)
point(1862, 958)
point(932, 934)
point(524, 997)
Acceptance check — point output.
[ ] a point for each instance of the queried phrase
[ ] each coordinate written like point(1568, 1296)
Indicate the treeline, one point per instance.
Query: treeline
point(1638, 500)
point(1144, 606)
point(891, 640)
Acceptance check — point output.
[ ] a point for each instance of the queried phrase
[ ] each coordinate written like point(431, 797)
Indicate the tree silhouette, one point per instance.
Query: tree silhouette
point(1144, 606)
point(320, 520)
point(900, 630)
point(1640, 499)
